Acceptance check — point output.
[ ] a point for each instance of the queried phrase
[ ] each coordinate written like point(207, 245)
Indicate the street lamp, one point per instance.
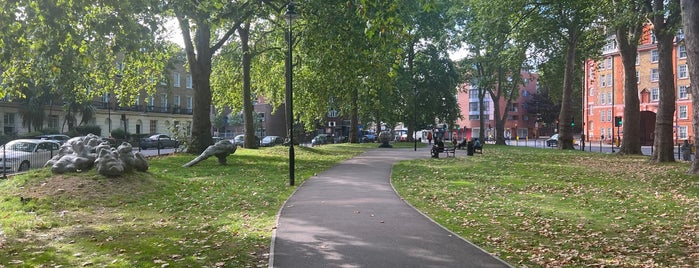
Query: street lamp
point(290, 15)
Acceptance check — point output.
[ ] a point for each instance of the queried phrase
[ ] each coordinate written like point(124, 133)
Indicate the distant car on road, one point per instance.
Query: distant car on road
point(240, 140)
point(552, 141)
point(269, 141)
point(23, 154)
point(159, 141)
point(60, 138)
point(369, 138)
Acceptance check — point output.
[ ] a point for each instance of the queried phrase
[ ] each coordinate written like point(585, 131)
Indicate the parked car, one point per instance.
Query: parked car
point(269, 141)
point(369, 138)
point(159, 141)
point(23, 154)
point(552, 141)
point(60, 138)
point(320, 139)
point(240, 140)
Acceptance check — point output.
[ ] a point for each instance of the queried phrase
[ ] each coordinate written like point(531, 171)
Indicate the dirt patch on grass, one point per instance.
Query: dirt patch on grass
point(89, 187)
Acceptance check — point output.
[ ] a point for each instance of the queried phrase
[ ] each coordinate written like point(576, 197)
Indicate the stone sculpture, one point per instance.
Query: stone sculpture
point(221, 150)
point(82, 153)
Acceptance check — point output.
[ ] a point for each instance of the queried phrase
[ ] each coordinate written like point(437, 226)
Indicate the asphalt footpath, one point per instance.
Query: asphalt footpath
point(350, 216)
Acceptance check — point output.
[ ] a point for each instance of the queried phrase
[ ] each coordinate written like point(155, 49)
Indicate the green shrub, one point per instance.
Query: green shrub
point(84, 130)
point(120, 134)
point(49, 131)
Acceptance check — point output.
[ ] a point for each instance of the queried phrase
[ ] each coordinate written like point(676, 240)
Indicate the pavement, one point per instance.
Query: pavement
point(350, 216)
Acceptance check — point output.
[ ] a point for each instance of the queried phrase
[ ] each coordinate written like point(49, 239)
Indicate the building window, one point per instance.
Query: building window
point(163, 102)
point(608, 62)
point(682, 111)
point(592, 90)
point(683, 133)
point(473, 106)
point(8, 120)
point(602, 117)
point(654, 76)
point(654, 55)
point(602, 81)
point(176, 78)
point(333, 113)
point(638, 77)
point(189, 103)
point(654, 94)
point(602, 99)
point(176, 101)
point(589, 109)
point(53, 121)
point(153, 126)
point(188, 81)
point(609, 98)
point(609, 115)
point(682, 92)
point(474, 117)
point(514, 107)
point(682, 52)
point(682, 71)
point(609, 80)
point(638, 60)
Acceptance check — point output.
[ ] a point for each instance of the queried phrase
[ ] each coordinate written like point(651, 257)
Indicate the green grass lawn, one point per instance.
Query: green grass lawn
point(203, 216)
point(551, 208)
point(531, 207)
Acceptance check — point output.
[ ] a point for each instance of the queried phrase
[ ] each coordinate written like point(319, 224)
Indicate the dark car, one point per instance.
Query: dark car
point(159, 141)
point(269, 141)
point(320, 139)
point(553, 141)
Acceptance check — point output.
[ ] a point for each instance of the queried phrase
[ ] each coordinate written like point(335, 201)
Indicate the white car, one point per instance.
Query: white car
point(23, 154)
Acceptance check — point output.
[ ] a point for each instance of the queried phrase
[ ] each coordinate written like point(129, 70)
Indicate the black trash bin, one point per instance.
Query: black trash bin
point(469, 148)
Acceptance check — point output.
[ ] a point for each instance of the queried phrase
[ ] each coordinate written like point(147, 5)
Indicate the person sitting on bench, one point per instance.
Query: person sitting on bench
point(462, 144)
point(437, 148)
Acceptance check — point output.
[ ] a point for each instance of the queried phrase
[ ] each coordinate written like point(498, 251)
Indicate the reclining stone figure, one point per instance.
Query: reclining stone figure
point(221, 150)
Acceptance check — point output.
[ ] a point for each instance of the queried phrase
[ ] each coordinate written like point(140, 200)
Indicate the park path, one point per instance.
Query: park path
point(350, 216)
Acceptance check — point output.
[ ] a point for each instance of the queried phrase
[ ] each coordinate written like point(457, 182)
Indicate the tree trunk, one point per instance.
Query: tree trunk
point(663, 146)
point(565, 134)
point(690, 11)
point(200, 66)
point(354, 118)
point(248, 109)
point(627, 38)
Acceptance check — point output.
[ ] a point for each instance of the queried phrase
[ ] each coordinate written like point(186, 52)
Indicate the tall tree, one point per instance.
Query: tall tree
point(206, 27)
point(76, 48)
point(573, 22)
point(498, 37)
point(690, 25)
point(665, 19)
point(626, 20)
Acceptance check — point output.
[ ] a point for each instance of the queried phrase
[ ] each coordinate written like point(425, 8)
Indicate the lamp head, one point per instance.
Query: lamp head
point(290, 15)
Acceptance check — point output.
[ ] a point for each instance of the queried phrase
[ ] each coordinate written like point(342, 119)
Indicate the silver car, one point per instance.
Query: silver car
point(23, 154)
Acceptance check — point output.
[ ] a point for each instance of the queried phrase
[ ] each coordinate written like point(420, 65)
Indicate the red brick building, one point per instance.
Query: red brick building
point(519, 122)
point(603, 93)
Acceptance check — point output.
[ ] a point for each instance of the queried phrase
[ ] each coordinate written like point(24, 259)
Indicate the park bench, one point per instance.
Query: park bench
point(478, 149)
point(448, 151)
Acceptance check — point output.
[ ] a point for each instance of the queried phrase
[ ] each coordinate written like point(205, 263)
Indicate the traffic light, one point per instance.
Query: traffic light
point(572, 121)
point(617, 121)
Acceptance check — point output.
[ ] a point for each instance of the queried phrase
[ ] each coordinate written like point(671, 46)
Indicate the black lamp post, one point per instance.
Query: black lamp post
point(109, 113)
point(290, 15)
